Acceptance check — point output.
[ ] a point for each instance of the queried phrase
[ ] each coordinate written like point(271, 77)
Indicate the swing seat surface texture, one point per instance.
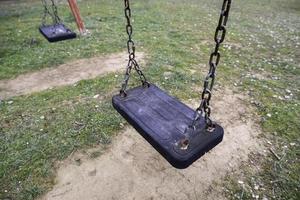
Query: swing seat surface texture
point(56, 32)
point(164, 122)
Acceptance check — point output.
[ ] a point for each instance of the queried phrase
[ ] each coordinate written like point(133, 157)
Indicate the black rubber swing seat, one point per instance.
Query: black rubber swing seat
point(56, 32)
point(165, 122)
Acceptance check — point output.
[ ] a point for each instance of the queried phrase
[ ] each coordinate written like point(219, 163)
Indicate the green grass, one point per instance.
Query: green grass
point(20, 38)
point(271, 50)
point(37, 130)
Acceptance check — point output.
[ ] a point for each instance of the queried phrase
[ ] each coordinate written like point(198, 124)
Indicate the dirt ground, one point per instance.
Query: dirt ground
point(65, 74)
point(131, 169)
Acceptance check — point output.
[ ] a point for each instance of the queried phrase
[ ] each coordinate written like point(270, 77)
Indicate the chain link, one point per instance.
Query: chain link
point(204, 108)
point(54, 9)
point(46, 11)
point(131, 53)
point(53, 14)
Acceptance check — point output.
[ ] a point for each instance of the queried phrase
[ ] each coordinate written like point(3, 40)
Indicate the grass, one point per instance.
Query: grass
point(271, 52)
point(20, 38)
point(37, 130)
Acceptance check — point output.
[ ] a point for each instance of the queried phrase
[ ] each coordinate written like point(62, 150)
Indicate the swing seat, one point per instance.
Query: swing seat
point(165, 123)
point(56, 32)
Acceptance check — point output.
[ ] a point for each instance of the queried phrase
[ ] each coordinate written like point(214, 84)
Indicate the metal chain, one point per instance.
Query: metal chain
point(46, 11)
point(131, 53)
point(204, 108)
point(53, 14)
point(54, 9)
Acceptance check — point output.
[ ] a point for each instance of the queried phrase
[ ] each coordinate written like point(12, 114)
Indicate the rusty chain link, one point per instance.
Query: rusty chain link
point(131, 53)
point(204, 108)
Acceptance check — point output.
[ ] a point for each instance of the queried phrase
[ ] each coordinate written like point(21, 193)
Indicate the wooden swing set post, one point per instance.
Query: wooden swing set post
point(76, 14)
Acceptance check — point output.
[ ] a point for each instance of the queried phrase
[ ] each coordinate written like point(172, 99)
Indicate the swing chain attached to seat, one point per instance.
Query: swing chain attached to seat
point(54, 16)
point(214, 60)
point(131, 51)
point(54, 8)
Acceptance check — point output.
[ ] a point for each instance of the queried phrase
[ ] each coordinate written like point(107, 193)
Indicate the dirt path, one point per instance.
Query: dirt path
point(65, 74)
point(132, 169)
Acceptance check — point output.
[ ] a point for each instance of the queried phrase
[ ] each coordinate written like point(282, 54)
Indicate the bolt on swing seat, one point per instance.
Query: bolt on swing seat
point(56, 31)
point(180, 134)
point(164, 122)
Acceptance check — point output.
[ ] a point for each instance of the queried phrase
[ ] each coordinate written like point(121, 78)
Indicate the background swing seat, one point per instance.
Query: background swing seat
point(56, 32)
point(163, 120)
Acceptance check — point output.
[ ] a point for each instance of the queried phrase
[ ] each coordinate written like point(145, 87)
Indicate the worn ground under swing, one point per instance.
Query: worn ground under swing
point(65, 74)
point(131, 169)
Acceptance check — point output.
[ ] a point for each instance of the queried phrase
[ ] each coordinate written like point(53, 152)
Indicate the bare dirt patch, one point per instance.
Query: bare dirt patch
point(131, 169)
point(65, 74)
